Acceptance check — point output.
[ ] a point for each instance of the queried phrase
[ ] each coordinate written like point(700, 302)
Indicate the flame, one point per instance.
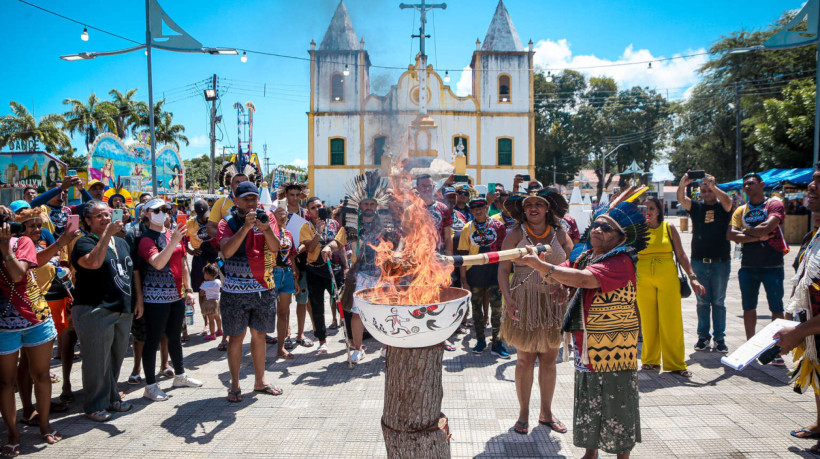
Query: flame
point(414, 276)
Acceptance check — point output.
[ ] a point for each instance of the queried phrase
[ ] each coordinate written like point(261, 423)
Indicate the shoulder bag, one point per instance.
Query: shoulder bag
point(685, 289)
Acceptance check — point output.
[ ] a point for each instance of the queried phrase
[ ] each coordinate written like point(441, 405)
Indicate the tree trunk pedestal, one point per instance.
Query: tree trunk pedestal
point(412, 422)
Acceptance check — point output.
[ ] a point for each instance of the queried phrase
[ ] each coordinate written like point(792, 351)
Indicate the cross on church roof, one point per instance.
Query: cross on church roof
point(422, 8)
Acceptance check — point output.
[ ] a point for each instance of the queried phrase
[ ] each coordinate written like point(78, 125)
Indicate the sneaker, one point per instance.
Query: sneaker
point(720, 346)
point(184, 380)
point(499, 351)
point(99, 416)
point(357, 356)
point(120, 407)
point(479, 347)
point(153, 392)
point(702, 344)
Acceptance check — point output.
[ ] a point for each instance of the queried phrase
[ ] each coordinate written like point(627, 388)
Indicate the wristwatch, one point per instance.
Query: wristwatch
point(693, 276)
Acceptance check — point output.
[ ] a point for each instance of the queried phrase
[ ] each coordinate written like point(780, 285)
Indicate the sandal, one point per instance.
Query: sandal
point(684, 373)
point(59, 407)
point(53, 437)
point(168, 372)
point(54, 378)
point(521, 427)
point(67, 397)
point(322, 349)
point(270, 389)
point(235, 396)
point(649, 367)
point(815, 449)
point(10, 450)
point(556, 426)
point(449, 347)
point(805, 433)
point(223, 346)
point(333, 326)
point(219, 333)
point(270, 339)
point(32, 421)
point(288, 344)
point(185, 338)
point(286, 356)
point(135, 380)
point(306, 342)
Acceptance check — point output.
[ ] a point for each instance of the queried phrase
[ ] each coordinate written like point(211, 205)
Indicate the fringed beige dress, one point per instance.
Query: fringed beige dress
point(541, 306)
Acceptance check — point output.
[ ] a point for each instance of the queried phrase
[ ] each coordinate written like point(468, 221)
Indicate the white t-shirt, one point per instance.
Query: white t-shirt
point(211, 289)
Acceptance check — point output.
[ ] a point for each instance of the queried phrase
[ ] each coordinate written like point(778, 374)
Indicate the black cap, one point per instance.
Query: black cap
point(201, 208)
point(477, 202)
point(246, 188)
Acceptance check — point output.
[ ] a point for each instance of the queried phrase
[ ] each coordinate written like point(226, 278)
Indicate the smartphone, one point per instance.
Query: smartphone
point(490, 188)
point(70, 192)
point(526, 177)
point(73, 223)
point(182, 219)
point(462, 179)
point(696, 175)
point(323, 214)
point(116, 215)
point(71, 172)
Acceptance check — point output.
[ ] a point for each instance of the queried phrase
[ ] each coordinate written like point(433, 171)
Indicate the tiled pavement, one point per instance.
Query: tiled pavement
point(328, 410)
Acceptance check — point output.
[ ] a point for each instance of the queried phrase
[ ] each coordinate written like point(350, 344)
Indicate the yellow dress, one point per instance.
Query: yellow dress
point(659, 303)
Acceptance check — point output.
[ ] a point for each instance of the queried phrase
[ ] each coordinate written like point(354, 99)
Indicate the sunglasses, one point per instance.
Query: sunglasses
point(605, 227)
point(157, 211)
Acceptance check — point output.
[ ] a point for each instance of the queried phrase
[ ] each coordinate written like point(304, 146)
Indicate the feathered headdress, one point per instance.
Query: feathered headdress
point(366, 187)
point(282, 191)
point(118, 190)
point(230, 169)
point(624, 215)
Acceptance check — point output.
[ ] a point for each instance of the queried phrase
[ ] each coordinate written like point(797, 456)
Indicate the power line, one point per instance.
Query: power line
point(84, 24)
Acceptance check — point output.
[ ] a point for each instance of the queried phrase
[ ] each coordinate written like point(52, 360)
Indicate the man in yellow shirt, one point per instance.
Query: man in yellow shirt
point(222, 206)
point(320, 238)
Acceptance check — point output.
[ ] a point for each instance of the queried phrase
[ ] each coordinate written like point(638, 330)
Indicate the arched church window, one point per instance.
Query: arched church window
point(504, 93)
point(337, 88)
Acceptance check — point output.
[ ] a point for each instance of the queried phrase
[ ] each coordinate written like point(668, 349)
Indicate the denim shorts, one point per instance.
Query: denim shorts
point(302, 296)
point(283, 278)
point(12, 340)
point(750, 280)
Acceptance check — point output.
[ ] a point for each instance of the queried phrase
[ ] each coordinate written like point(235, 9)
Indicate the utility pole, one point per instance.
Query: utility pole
point(213, 137)
point(738, 134)
point(554, 174)
point(265, 155)
point(153, 141)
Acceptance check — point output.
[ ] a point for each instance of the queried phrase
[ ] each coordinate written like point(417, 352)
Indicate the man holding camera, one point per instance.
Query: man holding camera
point(249, 244)
point(320, 237)
point(711, 260)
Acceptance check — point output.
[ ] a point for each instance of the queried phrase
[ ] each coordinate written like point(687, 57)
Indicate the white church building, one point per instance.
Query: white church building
point(351, 130)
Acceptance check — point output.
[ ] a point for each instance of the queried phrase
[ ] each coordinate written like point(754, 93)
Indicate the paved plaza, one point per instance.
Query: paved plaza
point(328, 410)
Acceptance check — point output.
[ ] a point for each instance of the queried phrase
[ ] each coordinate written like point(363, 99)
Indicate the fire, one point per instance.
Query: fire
point(413, 275)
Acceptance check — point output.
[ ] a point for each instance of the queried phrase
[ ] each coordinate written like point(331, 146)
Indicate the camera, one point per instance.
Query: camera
point(696, 175)
point(323, 214)
point(261, 216)
point(16, 228)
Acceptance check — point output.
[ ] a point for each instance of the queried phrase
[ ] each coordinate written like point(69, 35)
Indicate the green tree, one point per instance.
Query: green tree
point(71, 160)
point(784, 133)
point(167, 132)
point(21, 125)
point(198, 170)
point(704, 129)
point(90, 119)
point(127, 118)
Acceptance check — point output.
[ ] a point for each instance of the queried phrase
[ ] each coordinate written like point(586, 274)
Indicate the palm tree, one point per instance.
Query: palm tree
point(127, 117)
point(90, 119)
point(167, 132)
point(21, 125)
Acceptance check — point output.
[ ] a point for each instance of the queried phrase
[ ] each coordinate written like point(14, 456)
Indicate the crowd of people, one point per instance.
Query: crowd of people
point(105, 277)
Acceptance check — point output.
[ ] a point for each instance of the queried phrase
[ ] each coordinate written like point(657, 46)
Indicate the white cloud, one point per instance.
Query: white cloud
point(299, 162)
point(199, 141)
point(464, 87)
point(676, 75)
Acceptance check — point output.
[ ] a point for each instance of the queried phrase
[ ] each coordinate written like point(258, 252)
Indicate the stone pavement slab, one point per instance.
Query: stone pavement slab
point(330, 411)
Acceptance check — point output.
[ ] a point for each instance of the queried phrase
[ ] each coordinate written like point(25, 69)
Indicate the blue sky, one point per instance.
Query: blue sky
point(565, 33)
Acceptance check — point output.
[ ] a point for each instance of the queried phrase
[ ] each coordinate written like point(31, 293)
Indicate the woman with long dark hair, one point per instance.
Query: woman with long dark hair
point(534, 307)
point(661, 320)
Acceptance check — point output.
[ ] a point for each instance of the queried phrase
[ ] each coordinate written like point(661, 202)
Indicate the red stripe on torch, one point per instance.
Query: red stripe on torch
point(492, 257)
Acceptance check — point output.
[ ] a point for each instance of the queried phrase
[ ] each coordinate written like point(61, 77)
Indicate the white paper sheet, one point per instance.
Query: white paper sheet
point(294, 226)
point(759, 343)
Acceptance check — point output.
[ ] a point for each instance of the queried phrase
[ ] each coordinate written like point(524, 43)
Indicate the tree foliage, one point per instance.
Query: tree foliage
point(90, 119)
point(783, 133)
point(21, 125)
point(198, 170)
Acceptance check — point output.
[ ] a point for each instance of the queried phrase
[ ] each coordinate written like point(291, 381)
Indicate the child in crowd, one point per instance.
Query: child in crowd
point(209, 301)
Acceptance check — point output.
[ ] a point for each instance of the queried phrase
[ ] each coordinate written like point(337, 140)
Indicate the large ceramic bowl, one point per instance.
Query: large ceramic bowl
point(413, 326)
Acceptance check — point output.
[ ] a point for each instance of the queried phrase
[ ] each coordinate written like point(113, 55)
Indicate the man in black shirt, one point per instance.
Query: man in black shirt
point(711, 262)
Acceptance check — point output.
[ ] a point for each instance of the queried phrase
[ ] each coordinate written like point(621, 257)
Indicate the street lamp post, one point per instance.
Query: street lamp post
point(155, 18)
